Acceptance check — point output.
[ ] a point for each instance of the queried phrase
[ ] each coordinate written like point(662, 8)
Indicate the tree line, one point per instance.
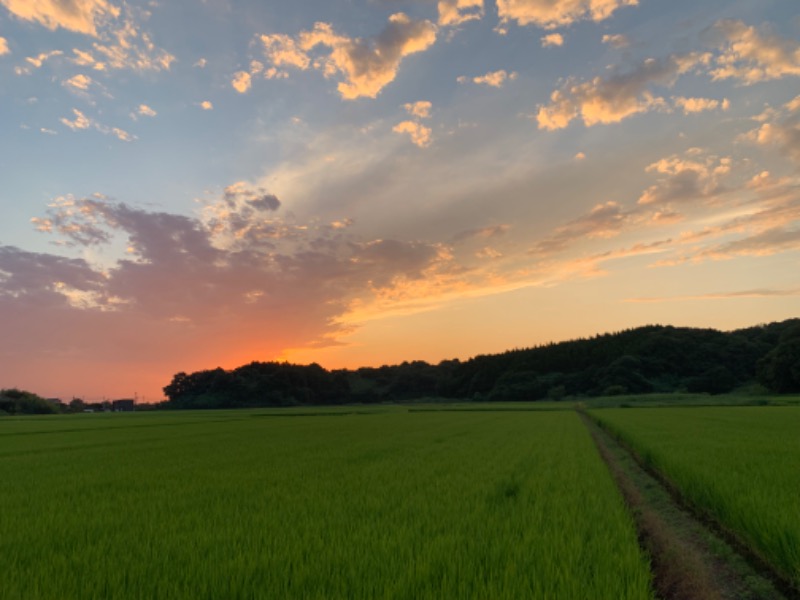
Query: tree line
point(643, 360)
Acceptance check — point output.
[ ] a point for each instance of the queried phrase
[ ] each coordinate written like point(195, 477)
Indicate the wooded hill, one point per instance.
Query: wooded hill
point(636, 361)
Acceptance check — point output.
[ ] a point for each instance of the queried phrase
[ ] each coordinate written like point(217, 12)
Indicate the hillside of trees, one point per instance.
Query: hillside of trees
point(636, 361)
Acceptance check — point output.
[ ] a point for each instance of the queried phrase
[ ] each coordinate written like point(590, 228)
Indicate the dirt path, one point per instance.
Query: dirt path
point(689, 560)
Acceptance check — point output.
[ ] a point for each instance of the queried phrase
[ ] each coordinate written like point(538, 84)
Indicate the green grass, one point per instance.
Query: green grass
point(383, 505)
point(739, 464)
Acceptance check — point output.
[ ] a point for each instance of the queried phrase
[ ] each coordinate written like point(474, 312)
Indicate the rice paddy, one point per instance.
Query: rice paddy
point(740, 465)
point(389, 504)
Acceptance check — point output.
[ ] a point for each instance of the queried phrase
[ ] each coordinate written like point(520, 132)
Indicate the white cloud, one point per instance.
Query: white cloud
point(550, 14)
point(206, 105)
point(611, 99)
point(552, 39)
point(456, 12)
point(82, 16)
point(146, 111)
point(750, 55)
point(419, 134)
point(4, 49)
point(201, 63)
point(241, 81)
point(366, 65)
point(493, 78)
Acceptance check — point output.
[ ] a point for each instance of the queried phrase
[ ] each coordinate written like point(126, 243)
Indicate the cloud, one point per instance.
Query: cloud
point(79, 122)
point(696, 105)
point(552, 39)
point(81, 16)
point(82, 122)
point(4, 49)
point(39, 60)
point(611, 99)
point(420, 134)
point(580, 156)
point(493, 78)
point(241, 81)
point(456, 12)
point(420, 109)
point(483, 233)
point(127, 47)
point(206, 105)
point(753, 293)
point(283, 51)
point(549, 14)
point(184, 280)
point(603, 221)
point(78, 82)
point(617, 40)
point(780, 128)
point(146, 111)
point(692, 177)
point(122, 135)
point(752, 55)
point(365, 65)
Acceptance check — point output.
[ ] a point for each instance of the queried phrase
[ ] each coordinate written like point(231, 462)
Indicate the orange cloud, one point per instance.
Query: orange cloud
point(750, 55)
point(419, 134)
point(552, 39)
point(493, 78)
point(456, 12)
point(366, 65)
point(687, 178)
point(780, 128)
point(550, 14)
point(696, 105)
point(241, 81)
point(611, 99)
point(81, 16)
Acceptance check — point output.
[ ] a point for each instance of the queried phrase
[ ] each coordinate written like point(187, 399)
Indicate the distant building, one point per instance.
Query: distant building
point(125, 405)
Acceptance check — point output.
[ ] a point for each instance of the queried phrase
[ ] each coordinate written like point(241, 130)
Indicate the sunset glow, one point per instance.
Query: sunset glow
point(188, 185)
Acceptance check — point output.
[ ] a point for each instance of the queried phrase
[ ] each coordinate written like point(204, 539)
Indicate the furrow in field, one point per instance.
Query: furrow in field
point(691, 558)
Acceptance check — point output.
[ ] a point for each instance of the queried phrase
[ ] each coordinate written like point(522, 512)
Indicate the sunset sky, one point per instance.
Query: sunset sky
point(189, 184)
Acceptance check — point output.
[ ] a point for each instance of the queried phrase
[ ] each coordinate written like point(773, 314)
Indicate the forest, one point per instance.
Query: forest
point(650, 359)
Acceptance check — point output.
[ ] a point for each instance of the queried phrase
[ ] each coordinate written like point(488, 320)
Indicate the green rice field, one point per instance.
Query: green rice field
point(260, 504)
point(740, 465)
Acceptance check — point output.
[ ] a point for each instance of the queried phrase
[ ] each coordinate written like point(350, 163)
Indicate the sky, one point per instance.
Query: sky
point(193, 184)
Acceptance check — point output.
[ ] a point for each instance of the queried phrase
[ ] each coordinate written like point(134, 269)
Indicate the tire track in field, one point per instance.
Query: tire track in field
point(689, 560)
